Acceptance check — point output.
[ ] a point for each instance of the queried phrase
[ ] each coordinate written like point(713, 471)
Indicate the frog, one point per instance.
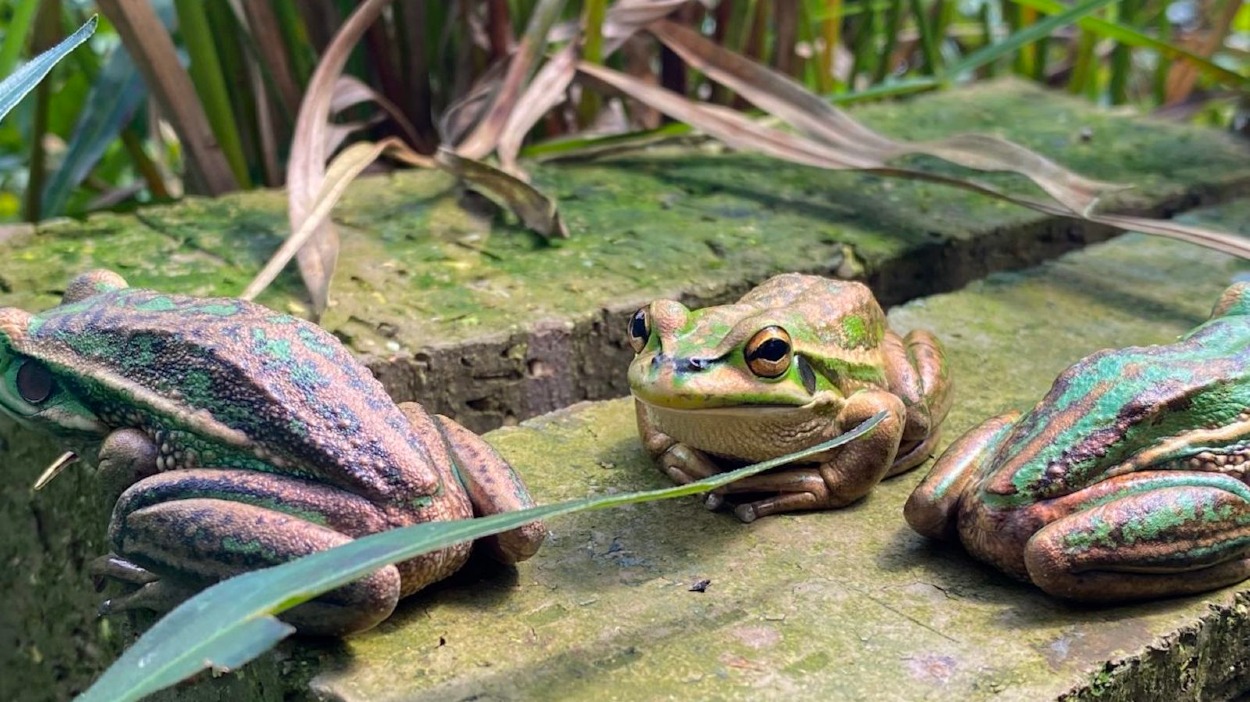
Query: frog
point(235, 437)
point(796, 361)
point(1127, 481)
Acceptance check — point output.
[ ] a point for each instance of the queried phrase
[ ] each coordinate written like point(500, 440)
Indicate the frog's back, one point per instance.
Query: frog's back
point(1113, 404)
point(236, 383)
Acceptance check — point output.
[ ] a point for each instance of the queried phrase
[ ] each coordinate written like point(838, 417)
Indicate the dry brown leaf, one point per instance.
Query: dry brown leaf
point(729, 126)
point(306, 167)
point(341, 172)
point(153, 50)
point(521, 65)
point(537, 211)
point(464, 113)
point(548, 87)
point(350, 91)
point(782, 97)
point(740, 132)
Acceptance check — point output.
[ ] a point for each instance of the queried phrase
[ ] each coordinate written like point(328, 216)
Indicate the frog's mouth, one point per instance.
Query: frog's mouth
point(731, 410)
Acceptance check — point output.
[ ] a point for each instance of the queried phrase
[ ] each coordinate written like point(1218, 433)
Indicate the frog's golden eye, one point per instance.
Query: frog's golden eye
point(34, 382)
point(768, 352)
point(639, 330)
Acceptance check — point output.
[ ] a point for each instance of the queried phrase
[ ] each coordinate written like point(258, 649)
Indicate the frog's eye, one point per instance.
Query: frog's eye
point(639, 330)
point(34, 382)
point(768, 352)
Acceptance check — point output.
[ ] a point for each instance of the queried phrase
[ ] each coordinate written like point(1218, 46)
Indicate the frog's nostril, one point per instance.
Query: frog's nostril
point(693, 364)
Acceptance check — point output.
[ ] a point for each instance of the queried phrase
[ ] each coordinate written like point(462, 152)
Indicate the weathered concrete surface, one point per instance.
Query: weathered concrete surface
point(836, 605)
point(493, 327)
point(496, 328)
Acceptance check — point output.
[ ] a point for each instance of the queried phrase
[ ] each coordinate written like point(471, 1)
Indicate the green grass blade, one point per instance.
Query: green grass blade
point(210, 85)
point(115, 95)
point(16, 34)
point(23, 80)
point(1132, 37)
point(232, 622)
point(928, 43)
point(1025, 36)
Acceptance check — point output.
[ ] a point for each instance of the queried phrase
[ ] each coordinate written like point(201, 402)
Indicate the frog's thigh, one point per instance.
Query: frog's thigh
point(1155, 543)
point(931, 509)
point(493, 487)
point(168, 525)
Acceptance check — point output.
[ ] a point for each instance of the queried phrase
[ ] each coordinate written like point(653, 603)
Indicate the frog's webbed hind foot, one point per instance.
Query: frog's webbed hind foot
point(146, 590)
point(167, 526)
point(1185, 538)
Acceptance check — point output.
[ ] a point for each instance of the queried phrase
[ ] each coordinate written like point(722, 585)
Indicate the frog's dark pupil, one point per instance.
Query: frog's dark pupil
point(772, 350)
point(34, 382)
point(638, 325)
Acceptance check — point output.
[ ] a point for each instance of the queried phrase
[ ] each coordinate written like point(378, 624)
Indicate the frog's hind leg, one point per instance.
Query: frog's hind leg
point(195, 527)
point(1191, 536)
point(493, 487)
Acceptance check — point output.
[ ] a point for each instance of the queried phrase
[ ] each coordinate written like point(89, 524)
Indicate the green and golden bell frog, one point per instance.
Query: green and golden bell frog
point(798, 360)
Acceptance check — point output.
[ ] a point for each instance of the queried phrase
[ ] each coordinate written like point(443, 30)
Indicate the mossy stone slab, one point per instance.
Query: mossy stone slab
point(836, 605)
point(482, 321)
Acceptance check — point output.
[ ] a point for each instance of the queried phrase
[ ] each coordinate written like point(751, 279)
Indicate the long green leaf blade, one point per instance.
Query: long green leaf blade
point(115, 95)
point(24, 79)
point(232, 622)
point(1028, 35)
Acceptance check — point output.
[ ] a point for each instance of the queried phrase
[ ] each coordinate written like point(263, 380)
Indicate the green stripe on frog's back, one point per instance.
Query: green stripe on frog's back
point(1113, 404)
point(235, 382)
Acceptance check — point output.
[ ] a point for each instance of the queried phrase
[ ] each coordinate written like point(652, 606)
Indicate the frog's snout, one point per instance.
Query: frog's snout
point(679, 364)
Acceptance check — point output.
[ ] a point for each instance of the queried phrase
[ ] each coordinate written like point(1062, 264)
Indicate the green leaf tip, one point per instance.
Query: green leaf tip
point(23, 80)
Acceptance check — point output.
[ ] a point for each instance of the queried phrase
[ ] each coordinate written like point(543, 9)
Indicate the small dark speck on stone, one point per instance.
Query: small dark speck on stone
point(442, 641)
point(700, 585)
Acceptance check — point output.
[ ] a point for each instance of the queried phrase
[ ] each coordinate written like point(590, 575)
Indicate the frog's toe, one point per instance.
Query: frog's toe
point(114, 567)
point(713, 501)
point(745, 513)
point(157, 596)
point(785, 502)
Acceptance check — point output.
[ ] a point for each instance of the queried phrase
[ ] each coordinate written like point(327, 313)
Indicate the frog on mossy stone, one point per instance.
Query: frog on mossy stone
point(797, 361)
point(240, 438)
point(1127, 481)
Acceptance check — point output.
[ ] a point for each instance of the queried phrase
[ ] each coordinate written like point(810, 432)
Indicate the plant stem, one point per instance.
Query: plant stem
point(210, 85)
